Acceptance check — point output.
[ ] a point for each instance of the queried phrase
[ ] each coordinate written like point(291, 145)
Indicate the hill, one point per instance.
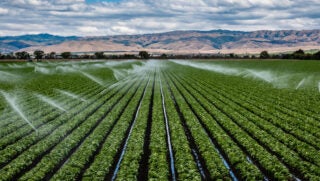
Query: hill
point(213, 41)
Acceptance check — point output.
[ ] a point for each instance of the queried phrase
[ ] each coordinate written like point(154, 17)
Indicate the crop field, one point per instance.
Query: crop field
point(160, 120)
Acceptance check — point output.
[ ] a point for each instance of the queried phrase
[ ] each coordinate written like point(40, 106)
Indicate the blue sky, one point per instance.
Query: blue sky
point(115, 17)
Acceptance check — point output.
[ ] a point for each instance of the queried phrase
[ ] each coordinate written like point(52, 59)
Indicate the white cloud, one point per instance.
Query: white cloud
point(34, 2)
point(123, 30)
point(3, 11)
point(76, 17)
point(68, 1)
point(88, 29)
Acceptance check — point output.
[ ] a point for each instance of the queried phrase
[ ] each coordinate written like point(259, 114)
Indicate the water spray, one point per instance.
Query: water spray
point(69, 94)
point(6, 76)
point(50, 102)
point(301, 83)
point(12, 102)
point(93, 78)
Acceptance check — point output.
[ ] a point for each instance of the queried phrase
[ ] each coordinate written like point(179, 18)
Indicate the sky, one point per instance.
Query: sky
point(119, 17)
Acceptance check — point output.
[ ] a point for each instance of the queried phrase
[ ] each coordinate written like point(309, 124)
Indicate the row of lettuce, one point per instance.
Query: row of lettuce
point(216, 131)
point(26, 152)
point(281, 145)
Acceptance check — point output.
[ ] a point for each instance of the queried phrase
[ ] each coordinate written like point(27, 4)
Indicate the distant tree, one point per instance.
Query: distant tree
point(300, 51)
point(164, 56)
point(8, 56)
point(317, 55)
point(38, 54)
point(99, 55)
point(286, 56)
point(2, 56)
point(22, 55)
point(52, 55)
point(18, 55)
point(128, 56)
point(85, 56)
point(246, 56)
point(299, 54)
point(66, 55)
point(231, 55)
point(144, 55)
point(264, 55)
point(114, 56)
point(276, 56)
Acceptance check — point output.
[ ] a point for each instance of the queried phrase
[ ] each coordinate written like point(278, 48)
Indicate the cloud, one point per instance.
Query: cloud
point(3, 11)
point(68, 1)
point(88, 29)
point(78, 17)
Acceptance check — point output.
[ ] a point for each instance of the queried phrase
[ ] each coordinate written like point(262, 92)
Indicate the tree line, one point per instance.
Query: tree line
point(299, 54)
point(39, 55)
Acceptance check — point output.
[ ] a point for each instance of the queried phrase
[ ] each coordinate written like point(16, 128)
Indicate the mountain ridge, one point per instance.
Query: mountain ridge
point(188, 41)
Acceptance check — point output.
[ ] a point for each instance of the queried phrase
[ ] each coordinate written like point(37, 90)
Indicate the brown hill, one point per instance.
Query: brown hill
point(215, 41)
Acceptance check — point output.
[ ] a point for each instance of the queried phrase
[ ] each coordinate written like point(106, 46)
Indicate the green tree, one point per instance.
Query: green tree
point(8, 56)
point(299, 54)
point(317, 55)
point(22, 55)
point(264, 55)
point(52, 55)
point(164, 56)
point(66, 55)
point(300, 51)
point(144, 55)
point(85, 56)
point(18, 55)
point(99, 55)
point(38, 54)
